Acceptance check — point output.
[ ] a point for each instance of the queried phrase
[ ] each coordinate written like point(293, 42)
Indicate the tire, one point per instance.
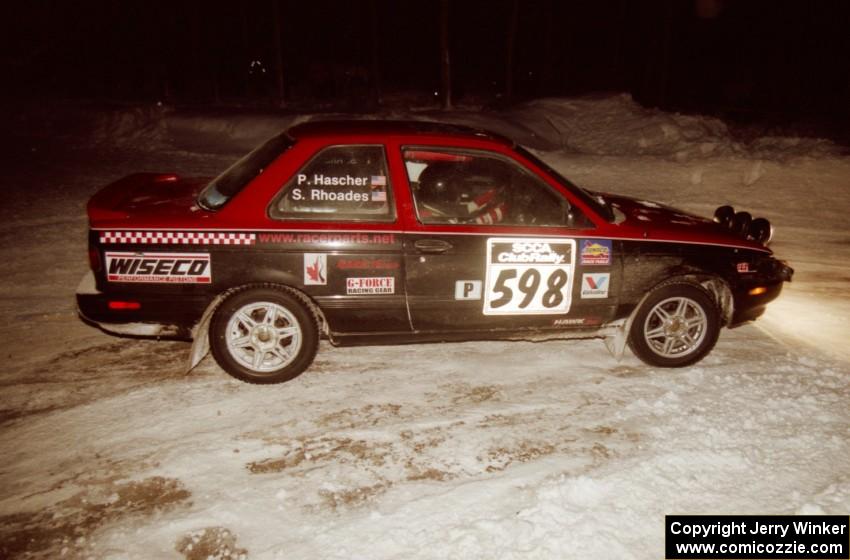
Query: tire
point(264, 335)
point(676, 326)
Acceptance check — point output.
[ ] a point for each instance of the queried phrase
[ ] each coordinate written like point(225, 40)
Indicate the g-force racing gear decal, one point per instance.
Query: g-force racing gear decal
point(529, 276)
point(369, 286)
point(159, 268)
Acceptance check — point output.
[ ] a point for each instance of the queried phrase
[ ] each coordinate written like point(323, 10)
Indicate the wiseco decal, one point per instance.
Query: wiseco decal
point(161, 268)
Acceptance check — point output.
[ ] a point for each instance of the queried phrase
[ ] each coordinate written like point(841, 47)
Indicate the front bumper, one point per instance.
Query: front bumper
point(751, 297)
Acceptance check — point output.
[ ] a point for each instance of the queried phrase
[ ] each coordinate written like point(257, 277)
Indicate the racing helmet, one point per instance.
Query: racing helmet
point(440, 186)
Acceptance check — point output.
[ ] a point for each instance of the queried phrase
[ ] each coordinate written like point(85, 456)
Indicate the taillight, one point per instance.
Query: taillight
point(94, 258)
point(124, 305)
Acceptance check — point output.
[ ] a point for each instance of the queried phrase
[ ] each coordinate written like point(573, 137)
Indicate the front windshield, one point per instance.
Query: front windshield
point(228, 184)
point(595, 202)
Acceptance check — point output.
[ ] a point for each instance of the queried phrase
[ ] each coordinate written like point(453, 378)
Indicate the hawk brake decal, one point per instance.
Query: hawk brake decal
point(529, 276)
point(159, 268)
point(315, 269)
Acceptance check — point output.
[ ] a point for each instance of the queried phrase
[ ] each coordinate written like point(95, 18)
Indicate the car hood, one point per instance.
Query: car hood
point(658, 222)
point(140, 196)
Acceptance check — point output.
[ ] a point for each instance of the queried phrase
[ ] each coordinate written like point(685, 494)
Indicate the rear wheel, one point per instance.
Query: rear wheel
point(264, 335)
point(677, 325)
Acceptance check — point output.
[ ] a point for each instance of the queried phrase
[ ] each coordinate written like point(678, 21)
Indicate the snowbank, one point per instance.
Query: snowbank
point(606, 125)
point(618, 126)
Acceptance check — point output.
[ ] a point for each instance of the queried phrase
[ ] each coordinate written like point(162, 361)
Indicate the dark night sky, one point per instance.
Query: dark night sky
point(750, 58)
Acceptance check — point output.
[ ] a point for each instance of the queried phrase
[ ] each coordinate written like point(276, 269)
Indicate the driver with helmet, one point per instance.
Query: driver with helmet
point(460, 193)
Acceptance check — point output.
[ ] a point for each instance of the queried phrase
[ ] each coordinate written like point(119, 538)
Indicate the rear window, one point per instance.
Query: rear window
point(339, 183)
point(233, 180)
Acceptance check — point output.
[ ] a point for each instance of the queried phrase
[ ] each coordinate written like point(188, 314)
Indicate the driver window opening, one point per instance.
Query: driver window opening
point(473, 187)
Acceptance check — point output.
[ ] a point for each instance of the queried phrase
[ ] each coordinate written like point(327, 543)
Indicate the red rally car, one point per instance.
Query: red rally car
point(396, 232)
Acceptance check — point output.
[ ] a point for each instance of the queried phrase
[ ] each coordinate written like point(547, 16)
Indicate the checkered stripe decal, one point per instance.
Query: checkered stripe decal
point(177, 238)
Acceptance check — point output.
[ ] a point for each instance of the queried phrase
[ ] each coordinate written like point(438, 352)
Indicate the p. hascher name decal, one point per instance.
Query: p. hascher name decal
point(159, 268)
point(529, 276)
point(368, 286)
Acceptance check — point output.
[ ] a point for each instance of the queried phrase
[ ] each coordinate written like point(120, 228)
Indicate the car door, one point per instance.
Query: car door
point(336, 238)
point(494, 246)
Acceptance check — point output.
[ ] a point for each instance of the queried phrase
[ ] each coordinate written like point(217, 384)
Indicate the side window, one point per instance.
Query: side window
point(338, 183)
point(476, 187)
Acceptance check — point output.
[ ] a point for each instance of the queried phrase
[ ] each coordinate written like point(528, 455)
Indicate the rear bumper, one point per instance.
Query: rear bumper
point(156, 317)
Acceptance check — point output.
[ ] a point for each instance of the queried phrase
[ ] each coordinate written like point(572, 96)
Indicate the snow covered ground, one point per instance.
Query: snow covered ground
point(474, 450)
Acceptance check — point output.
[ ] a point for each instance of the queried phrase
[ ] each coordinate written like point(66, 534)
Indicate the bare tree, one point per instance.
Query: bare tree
point(509, 62)
point(278, 54)
point(376, 67)
point(445, 61)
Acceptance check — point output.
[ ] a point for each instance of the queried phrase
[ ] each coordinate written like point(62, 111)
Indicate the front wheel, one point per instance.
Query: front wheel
point(677, 325)
point(264, 335)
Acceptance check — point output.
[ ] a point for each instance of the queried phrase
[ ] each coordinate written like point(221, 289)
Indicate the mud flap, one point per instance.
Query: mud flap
point(616, 341)
point(200, 336)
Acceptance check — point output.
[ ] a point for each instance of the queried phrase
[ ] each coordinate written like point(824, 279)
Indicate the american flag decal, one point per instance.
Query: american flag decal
point(177, 238)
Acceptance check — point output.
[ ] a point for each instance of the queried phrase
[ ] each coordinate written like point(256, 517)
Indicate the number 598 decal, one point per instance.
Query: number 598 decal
point(529, 275)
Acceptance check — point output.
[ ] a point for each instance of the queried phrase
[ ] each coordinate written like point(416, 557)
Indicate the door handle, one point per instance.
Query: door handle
point(432, 246)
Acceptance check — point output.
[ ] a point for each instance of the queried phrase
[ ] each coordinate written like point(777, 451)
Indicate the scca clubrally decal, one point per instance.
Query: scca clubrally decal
point(159, 268)
point(529, 276)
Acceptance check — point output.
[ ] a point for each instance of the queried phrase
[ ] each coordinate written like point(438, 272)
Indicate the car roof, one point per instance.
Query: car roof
point(323, 128)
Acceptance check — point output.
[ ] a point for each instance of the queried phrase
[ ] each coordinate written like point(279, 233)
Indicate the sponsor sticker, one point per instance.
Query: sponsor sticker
point(587, 321)
point(529, 275)
point(568, 322)
point(595, 285)
point(596, 251)
point(324, 238)
point(158, 268)
point(468, 289)
point(315, 269)
point(369, 286)
point(367, 264)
